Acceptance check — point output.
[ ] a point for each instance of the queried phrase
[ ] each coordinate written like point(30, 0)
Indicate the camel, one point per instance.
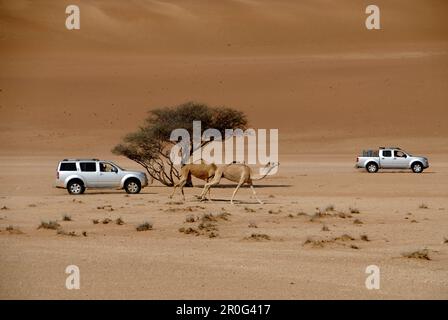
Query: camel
point(240, 173)
point(203, 171)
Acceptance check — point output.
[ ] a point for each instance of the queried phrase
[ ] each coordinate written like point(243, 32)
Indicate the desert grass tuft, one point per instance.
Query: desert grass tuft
point(207, 226)
point(13, 230)
point(423, 206)
point(65, 233)
point(252, 224)
point(364, 237)
point(189, 230)
point(52, 225)
point(422, 254)
point(145, 226)
point(223, 216)
point(119, 221)
point(258, 237)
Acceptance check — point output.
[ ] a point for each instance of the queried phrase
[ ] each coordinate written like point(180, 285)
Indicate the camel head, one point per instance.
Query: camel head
point(270, 168)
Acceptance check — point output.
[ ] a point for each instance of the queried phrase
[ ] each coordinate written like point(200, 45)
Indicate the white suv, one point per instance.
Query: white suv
point(76, 175)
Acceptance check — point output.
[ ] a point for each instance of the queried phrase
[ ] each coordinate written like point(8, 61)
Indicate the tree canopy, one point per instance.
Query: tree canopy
point(150, 145)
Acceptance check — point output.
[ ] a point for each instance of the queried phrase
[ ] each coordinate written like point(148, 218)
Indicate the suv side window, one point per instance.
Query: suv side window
point(88, 166)
point(107, 167)
point(387, 153)
point(67, 166)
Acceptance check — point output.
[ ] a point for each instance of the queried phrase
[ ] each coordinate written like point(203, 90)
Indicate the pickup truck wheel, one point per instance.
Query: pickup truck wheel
point(75, 187)
point(372, 167)
point(132, 186)
point(417, 167)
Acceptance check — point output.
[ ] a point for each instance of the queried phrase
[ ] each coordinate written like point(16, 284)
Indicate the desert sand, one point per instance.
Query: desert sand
point(308, 68)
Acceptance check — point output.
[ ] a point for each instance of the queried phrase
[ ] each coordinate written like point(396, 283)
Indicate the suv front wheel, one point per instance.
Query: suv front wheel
point(132, 186)
point(75, 187)
point(417, 167)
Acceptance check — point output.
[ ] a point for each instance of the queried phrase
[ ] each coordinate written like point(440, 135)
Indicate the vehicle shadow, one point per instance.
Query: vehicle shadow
point(397, 171)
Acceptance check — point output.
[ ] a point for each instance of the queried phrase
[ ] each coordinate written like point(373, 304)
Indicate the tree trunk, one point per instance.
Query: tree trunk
point(189, 183)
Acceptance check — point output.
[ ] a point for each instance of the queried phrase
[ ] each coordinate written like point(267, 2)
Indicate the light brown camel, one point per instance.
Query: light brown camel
point(203, 171)
point(239, 173)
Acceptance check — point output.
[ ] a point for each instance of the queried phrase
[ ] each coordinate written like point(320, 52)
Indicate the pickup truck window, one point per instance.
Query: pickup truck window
point(88, 166)
point(399, 154)
point(387, 153)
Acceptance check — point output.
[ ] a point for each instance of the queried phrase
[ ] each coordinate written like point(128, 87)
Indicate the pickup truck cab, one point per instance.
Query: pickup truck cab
point(76, 175)
point(390, 158)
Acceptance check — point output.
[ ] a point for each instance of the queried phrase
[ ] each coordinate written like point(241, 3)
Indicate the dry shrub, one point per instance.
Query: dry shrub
point(354, 210)
point(145, 226)
point(66, 217)
point(252, 224)
point(52, 225)
point(119, 221)
point(189, 230)
point(207, 226)
point(321, 242)
point(208, 217)
point(258, 237)
point(223, 216)
point(422, 254)
point(364, 237)
point(344, 215)
point(13, 230)
point(65, 233)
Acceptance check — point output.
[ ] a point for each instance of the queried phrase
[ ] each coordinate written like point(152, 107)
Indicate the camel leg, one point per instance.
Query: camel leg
point(209, 193)
point(182, 184)
point(255, 194)
point(236, 189)
point(207, 186)
point(174, 190)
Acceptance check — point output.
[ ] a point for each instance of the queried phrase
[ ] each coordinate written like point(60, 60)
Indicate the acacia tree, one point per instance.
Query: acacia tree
point(150, 145)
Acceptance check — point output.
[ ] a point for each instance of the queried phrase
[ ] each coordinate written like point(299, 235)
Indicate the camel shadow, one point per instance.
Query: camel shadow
point(214, 200)
point(232, 186)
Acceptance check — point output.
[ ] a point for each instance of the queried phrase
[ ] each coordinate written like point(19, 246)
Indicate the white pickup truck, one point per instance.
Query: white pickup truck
point(390, 158)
